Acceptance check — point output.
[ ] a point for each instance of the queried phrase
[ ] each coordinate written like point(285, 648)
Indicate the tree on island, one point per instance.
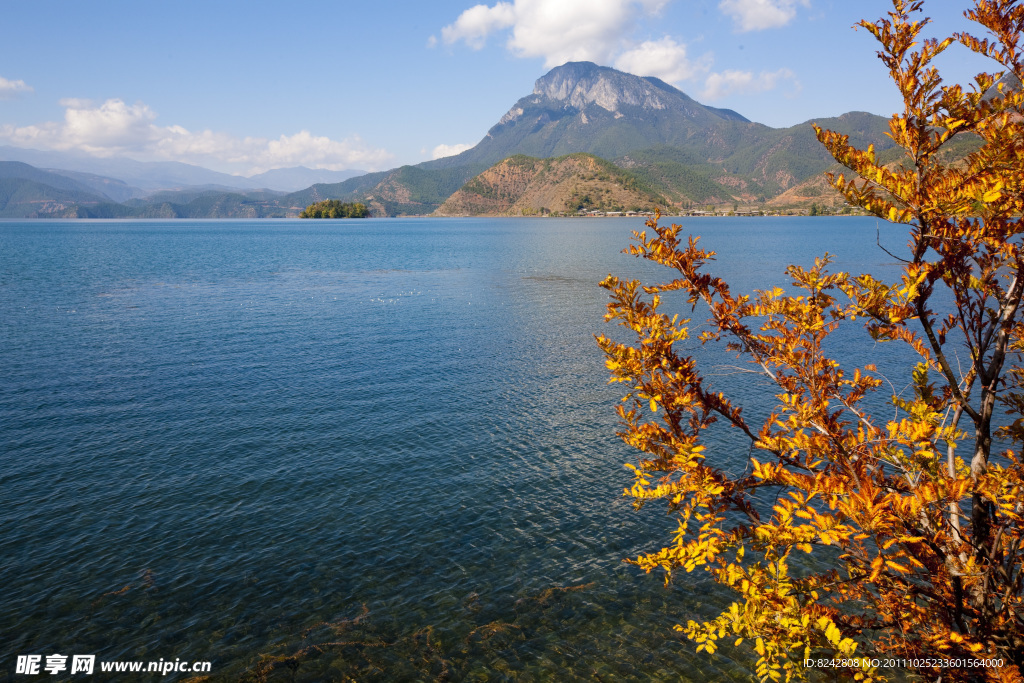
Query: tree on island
point(333, 208)
point(901, 491)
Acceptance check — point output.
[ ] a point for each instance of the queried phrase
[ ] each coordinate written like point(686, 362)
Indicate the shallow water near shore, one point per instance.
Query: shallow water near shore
point(235, 441)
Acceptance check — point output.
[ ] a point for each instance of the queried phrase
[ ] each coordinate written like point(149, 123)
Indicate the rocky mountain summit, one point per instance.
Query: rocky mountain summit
point(580, 84)
point(583, 107)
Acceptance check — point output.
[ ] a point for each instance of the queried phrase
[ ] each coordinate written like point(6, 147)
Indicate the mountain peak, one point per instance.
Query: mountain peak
point(578, 84)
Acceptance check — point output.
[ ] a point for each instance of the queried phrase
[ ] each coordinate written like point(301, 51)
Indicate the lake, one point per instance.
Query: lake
point(234, 441)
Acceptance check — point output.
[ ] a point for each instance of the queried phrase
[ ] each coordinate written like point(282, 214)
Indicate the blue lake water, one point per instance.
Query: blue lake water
point(236, 440)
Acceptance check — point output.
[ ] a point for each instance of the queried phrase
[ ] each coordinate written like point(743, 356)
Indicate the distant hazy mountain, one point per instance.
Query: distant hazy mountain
point(29, 192)
point(147, 175)
point(152, 176)
point(300, 177)
point(190, 194)
point(117, 190)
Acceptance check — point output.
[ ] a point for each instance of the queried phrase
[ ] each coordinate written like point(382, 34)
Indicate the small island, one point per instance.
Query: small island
point(332, 208)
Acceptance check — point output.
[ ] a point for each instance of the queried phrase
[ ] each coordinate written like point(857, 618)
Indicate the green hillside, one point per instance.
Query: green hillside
point(677, 174)
point(522, 185)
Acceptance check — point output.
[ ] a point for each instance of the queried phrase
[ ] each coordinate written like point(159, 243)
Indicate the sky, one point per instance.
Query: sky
point(244, 87)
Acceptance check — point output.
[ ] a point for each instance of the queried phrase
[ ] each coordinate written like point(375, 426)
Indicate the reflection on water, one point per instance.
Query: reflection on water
point(375, 451)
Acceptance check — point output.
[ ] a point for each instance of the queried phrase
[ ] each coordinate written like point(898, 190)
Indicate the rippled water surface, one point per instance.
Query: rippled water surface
point(235, 441)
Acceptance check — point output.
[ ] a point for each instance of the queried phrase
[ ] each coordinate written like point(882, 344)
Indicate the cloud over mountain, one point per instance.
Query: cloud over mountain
point(442, 151)
point(563, 31)
point(604, 31)
point(665, 59)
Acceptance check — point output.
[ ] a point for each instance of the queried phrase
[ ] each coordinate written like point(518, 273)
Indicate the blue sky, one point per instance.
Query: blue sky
point(244, 87)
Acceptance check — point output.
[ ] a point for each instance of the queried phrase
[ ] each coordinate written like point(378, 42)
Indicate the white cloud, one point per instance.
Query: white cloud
point(719, 85)
point(474, 25)
point(304, 149)
point(757, 15)
point(110, 128)
point(557, 30)
point(115, 128)
point(11, 89)
point(665, 59)
point(450, 150)
point(570, 30)
point(75, 103)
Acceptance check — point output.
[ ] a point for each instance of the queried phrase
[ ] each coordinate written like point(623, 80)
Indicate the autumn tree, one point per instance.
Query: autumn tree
point(921, 511)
